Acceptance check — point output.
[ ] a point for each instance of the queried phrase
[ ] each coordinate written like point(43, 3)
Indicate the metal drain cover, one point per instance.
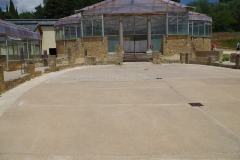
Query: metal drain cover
point(196, 104)
point(158, 78)
point(145, 69)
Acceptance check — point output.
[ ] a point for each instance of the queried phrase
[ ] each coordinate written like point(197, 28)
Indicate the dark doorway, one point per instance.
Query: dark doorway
point(53, 51)
point(135, 48)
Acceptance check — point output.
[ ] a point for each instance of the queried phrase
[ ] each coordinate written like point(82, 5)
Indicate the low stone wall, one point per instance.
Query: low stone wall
point(176, 44)
point(52, 63)
point(119, 54)
point(233, 57)
point(90, 60)
point(15, 82)
point(157, 58)
point(90, 46)
point(203, 56)
point(2, 86)
point(71, 58)
point(38, 73)
point(30, 68)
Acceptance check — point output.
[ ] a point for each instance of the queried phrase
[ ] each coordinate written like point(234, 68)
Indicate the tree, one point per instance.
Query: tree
point(6, 8)
point(26, 15)
point(8, 15)
point(40, 12)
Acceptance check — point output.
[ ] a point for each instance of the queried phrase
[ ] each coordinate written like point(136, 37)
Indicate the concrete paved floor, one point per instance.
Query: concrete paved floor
point(18, 73)
point(124, 113)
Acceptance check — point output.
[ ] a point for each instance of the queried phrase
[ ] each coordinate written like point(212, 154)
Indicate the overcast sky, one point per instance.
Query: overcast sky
point(29, 5)
point(22, 5)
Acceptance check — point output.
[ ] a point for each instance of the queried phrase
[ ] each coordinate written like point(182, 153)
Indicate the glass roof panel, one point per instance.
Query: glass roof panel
point(14, 30)
point(134, 7)
point(194, 16)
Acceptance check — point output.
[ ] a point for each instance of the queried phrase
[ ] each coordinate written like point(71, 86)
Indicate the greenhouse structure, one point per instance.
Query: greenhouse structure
point(140, 26)
point(18, 43)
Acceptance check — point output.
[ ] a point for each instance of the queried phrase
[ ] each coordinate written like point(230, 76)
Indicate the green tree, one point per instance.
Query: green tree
point(8, 15)
point(6, 8)
point(26, 15)
point(40, 12)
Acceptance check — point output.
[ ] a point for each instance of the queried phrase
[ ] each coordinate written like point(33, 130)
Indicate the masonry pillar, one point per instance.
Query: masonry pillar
point(119, 53)
point(238, 61)
point(210, 60)
point(31, 70)
point(149, 34)
point(71, 58)
point(182, 57)
point(187, 58)
point(52, 63)
point(1, 79)
point(120, 31)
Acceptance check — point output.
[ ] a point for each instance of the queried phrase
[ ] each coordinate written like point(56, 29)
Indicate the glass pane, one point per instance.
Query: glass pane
point(31, 51)
point(182, 26)
point(112, 42)
point(78, 32)
point(195, 29)
point(2, 50)
point(97, 27)
point(67, 32)
point(128, 25)
point(172, 25)
point(111, 25)
point(73, 32)
point(87, 28)
point(201, 29)
point(157, 43)
point(158, 24)
point(140, 25)
point(190, 28)
point(37, 51)
point(13, 51)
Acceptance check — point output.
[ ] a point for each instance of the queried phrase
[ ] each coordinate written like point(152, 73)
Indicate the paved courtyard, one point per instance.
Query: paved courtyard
point(137, 111)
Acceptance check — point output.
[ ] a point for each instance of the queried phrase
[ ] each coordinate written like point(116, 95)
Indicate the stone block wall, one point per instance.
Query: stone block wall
point(52, 63)
point(157, 58)
point(2, 86)
point(71, 58)
point(31, 70)
point(233, 57)
point(38, 73)
point(204, 55)
point(15, 82)
point(119, 54)
point(176, 44)
point(94, 47)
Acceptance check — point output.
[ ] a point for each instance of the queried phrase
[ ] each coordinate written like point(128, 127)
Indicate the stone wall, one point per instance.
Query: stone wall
point(31, 70)
point(233, 57)
point(15, 82)
point(1, 79)
point(157, 58)
point(52, 63)
point(92, 46)
point(176, 44)
point(204, 55)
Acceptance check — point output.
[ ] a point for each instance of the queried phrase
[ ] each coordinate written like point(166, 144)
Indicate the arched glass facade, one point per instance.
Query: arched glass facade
point(134, 23)
point(14, 38)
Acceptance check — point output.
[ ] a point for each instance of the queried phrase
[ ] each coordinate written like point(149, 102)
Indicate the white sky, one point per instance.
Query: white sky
point(22, 5)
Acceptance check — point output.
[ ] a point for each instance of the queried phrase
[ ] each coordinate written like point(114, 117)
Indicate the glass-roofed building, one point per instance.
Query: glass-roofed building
point(140, 26)
point(18, 43)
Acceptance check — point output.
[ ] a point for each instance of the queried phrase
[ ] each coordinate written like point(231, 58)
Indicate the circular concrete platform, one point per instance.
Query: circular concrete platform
point(135, 111)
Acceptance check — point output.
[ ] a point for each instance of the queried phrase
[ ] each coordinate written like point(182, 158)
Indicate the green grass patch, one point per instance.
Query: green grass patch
point(230, 43)
point(226, 57)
